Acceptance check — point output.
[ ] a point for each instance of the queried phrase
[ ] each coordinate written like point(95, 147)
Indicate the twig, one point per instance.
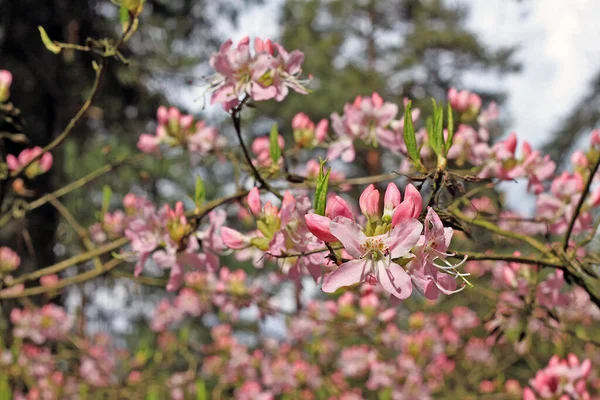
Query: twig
point(584, 194)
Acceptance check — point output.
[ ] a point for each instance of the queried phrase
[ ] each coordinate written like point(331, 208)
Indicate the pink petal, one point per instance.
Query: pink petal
point(347, 274)
point(350, 234)
point(394, 280)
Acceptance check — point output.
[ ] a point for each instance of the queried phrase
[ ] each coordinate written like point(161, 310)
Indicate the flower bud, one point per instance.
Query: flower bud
point(391, 200)
point(9, 260)
point(369, 202)
point(148, 143)
point(337, 207)
point(254, 201)
point(162, 115)
point(319, 226)
point(5, 82)
point(233, 239)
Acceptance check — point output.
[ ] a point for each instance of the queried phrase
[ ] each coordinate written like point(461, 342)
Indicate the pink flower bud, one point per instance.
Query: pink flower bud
point(12, 162)
point(528, 394)
point(377, 100)
point(369, 202)
point(233, 239)
point(392, 197)
point(404, 211)
point(186, 121)
point(46, 162)
point(319, 226)
point(596, 137)
point(411, 192)
point(578, 159)
point(337, 207)
point(173, 114)
point(49, 280)
point(162, 115)
point(301, 121)
point(5, 82)
point(321, 130)
point(254, 201)
point(148, 143)
point(510, 143)
point(9, 260)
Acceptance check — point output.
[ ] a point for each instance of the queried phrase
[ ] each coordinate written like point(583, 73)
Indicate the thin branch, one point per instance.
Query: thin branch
point(584, 194)
point(495, 229)
point(509, 258)
point(236, 118)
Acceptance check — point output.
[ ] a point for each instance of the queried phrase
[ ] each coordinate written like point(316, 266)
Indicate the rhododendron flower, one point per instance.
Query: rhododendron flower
point(367, 119)
point(261, 76)
point(50, 322)
point(373, 256)
point(5, 82)
point(9, 260)
point(430, 277)
point(38, 167)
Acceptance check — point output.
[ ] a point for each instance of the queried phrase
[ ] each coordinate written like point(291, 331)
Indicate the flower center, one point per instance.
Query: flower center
point(375, 248)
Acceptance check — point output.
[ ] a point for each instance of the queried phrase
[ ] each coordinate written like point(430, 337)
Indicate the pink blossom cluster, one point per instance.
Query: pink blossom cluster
point(175, 129)
point(562, 379)
point(267, 74)
point(50, 322)
point(389, 249)
point(5, 82)
point(282, 233)
point(38, 167)
point(367, 119)
point(227, 291)
point(113, 224)
point(172, 242)
point(502, 163)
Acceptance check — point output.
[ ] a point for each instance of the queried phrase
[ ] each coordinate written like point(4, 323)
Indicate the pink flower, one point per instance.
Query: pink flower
point(9, 260)
point(38, 167)
point(305, 133)
point(431, 278)
point(5, 82)
point(367, 119)
point(49, 280)
point(261, 76)
point(373, 256)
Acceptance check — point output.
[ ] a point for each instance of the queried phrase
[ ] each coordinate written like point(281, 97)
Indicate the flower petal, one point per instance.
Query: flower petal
point(347, 274)
point(403, 237)
point(394, 280)
point(349, 233)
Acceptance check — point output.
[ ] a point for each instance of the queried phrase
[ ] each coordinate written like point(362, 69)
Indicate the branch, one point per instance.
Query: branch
point(495, 229)
point(63, 135)
point(584, 194)
point(472, 256)
point(236, 118)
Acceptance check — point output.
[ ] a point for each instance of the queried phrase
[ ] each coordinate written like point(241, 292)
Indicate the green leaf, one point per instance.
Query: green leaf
point(320, 200)
point(201, 393)
point(106, 196)
point(50, 45)
point(435, 129)
point(410, 138)
point(152, 394)
point(199, 192)
point(448, 142)
point(274, 148)
point(124, 16)
point(5, 391)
